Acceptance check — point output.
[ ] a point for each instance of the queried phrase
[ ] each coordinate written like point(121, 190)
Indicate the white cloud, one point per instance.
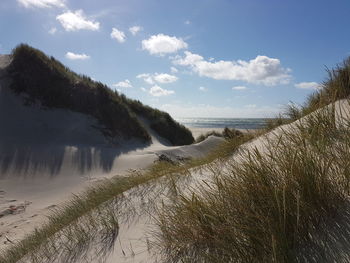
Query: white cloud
point(146, 78)
point(162, 44)
point(123, 84)
point(308, 85)
point(162, 78)
point(187, 22)
point(239, 88)
point(73, 56)
point(173, 70)
point(53, 30)
point(203, 89)
point(118, 35)
point(74, 21)
point(157, 91)
point(134, 30)
point(261, 70)
point(143, 89)
point(42, 3)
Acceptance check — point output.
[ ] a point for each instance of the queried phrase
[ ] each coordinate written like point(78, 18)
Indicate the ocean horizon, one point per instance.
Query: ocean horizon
point(237, 123)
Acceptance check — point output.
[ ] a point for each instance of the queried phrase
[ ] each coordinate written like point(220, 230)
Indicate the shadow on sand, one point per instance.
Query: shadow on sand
point(30, 160)
point(41, 141)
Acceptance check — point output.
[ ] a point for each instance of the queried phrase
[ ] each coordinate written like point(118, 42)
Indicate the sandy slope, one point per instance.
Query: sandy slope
point(133, 239)
point(45, 155)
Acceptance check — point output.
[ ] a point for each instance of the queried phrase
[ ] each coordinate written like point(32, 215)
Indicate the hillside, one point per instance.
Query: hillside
point(281, 195)
point(44, 79)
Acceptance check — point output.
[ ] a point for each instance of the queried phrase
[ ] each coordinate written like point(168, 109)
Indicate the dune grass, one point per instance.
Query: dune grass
point(227, 133)
point(161, 122)
point(44, 79)
point(262, 205)
point(259, 207)
point(90, 220)
point(268, 204)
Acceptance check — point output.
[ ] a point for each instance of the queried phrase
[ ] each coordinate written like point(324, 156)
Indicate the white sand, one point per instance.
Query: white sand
point(136, 234)
point(46, 155)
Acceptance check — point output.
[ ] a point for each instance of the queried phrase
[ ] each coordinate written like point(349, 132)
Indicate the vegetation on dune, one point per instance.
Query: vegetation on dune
point(48, 81)
point(262, 206)
point(90, 220)
point(335, 87)
point(227, 133)
point(267, 204)
point(161, 122)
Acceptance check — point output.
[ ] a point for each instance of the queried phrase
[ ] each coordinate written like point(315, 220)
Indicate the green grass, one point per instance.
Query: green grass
point(48, 81)
point(90, 220)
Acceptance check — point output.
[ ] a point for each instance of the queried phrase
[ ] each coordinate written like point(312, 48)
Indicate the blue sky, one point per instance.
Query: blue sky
point(192, 58)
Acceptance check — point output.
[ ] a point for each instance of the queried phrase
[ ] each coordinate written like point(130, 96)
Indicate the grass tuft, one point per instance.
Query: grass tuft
point(261, 206)
point(90, 220)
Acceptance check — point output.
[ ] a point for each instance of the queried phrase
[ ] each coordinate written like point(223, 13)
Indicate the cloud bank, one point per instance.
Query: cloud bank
point(261, 70)
point(123, 84)
point(157, 91)
point(74, 21)
point(163, 44)
point(162, 78)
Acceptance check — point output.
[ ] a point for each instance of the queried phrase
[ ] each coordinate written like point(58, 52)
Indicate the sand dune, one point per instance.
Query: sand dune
point(137, 235)
point(48, 154)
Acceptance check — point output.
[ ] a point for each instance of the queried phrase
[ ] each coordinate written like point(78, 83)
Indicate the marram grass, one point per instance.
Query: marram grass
point(90, 220)
point(264, 205)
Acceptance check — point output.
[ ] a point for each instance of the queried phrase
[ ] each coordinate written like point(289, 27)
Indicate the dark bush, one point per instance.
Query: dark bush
point(162, 123)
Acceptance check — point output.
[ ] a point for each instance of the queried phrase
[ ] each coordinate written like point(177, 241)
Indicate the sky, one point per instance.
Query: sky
point(191, 58)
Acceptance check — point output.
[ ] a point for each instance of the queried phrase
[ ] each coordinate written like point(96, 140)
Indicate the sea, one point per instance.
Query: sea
point(237, 123)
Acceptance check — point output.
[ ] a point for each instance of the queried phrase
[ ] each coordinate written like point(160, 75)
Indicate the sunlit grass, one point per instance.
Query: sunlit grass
point(259, 207)
point(90, 219)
